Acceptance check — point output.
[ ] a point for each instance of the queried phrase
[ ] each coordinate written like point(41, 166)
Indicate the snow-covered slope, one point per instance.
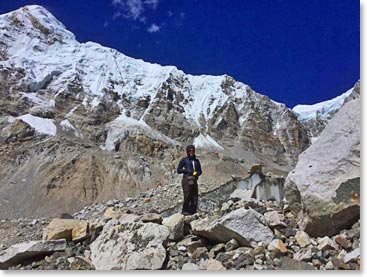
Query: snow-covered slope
point(98, 67)
point(100, 94)
point(320, 110)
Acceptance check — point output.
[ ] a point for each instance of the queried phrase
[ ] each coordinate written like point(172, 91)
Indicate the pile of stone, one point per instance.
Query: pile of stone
point(238, 235)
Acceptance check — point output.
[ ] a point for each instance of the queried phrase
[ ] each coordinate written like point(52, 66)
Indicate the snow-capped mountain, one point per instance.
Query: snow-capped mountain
point(84, 121)
point(315, 117)
point(320, 110)
point(86, 78)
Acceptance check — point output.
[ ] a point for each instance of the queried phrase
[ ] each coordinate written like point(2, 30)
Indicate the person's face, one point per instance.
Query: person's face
point(191, 152)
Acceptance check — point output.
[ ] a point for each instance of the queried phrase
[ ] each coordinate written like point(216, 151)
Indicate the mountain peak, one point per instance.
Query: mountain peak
point(35, 20)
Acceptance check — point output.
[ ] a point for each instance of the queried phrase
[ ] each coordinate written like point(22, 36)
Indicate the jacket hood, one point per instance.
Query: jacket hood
point(188, 148)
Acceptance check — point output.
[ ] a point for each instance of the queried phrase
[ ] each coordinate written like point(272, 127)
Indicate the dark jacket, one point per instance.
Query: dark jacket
point(185, 167)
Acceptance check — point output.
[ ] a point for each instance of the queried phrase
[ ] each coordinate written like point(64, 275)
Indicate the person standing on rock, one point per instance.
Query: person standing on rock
point(191, 169)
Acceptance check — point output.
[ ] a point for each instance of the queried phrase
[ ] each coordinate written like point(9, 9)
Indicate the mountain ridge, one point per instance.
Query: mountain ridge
point(137, 117)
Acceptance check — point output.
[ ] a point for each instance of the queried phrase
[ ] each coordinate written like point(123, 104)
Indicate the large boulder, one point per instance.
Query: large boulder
point(20, 252)
point(130, 246)
point(245, 226)
point(324, 188)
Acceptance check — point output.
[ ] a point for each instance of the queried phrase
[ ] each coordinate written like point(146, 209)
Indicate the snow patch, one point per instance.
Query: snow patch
point(120, 128)
point(42, 125)
point(320, 110)
point(206, 142)
point(39, 100)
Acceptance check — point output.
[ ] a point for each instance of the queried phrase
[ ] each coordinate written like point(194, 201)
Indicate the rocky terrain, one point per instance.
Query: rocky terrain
point(314, 227)
point(70, 108)
point(117, 234)
point(81, 123)
point(89, 144)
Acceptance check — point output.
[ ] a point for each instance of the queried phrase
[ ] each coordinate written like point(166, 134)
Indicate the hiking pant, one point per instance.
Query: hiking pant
point(190, 195)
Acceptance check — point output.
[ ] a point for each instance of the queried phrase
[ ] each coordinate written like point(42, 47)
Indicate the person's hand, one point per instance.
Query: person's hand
point(195, 173)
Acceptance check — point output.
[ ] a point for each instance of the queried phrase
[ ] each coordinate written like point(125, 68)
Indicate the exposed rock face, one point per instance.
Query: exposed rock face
point(145, 113)
point(130, 246)
point(18, 130)
point(63, 175)
point(325, 185)
point(245, 226)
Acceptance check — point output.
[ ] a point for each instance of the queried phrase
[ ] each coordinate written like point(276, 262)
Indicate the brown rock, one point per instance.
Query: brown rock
point(69, 229)
point(80, 263)
point(339, 264)
point(110, 213)
point(343, 242)
point(216, 249)
point(151, 217)
point(18, 130)
point(256, 168)
point(277, 245)
point(215, 265)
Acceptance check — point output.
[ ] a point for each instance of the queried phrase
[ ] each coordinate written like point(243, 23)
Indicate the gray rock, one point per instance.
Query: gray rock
point(326, 243)
point(231, 245)
point(245, 226)
point(175, 224)
point(352, 256)
point(216, 249)
point(341, 254)
point(151, 217)
point(291, 264)
point(277, 245)
point(215, 265)
point(241, 194)
point(80, 263)
point(273, 219)
point(304, 254)
point(17, 253)
point(329, 265)
point(190, 266)
point(302, 239)
point(324, 187)
point(171, 265)
point(182, 248)
point(200, 253)
point(130, 246)
point(190, 243)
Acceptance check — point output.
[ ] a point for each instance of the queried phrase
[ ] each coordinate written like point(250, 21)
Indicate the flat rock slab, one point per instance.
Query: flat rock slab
point(20, 252)
point(245, 226)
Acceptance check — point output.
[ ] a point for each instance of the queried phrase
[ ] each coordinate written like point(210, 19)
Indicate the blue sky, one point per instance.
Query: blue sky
point(295, 52)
